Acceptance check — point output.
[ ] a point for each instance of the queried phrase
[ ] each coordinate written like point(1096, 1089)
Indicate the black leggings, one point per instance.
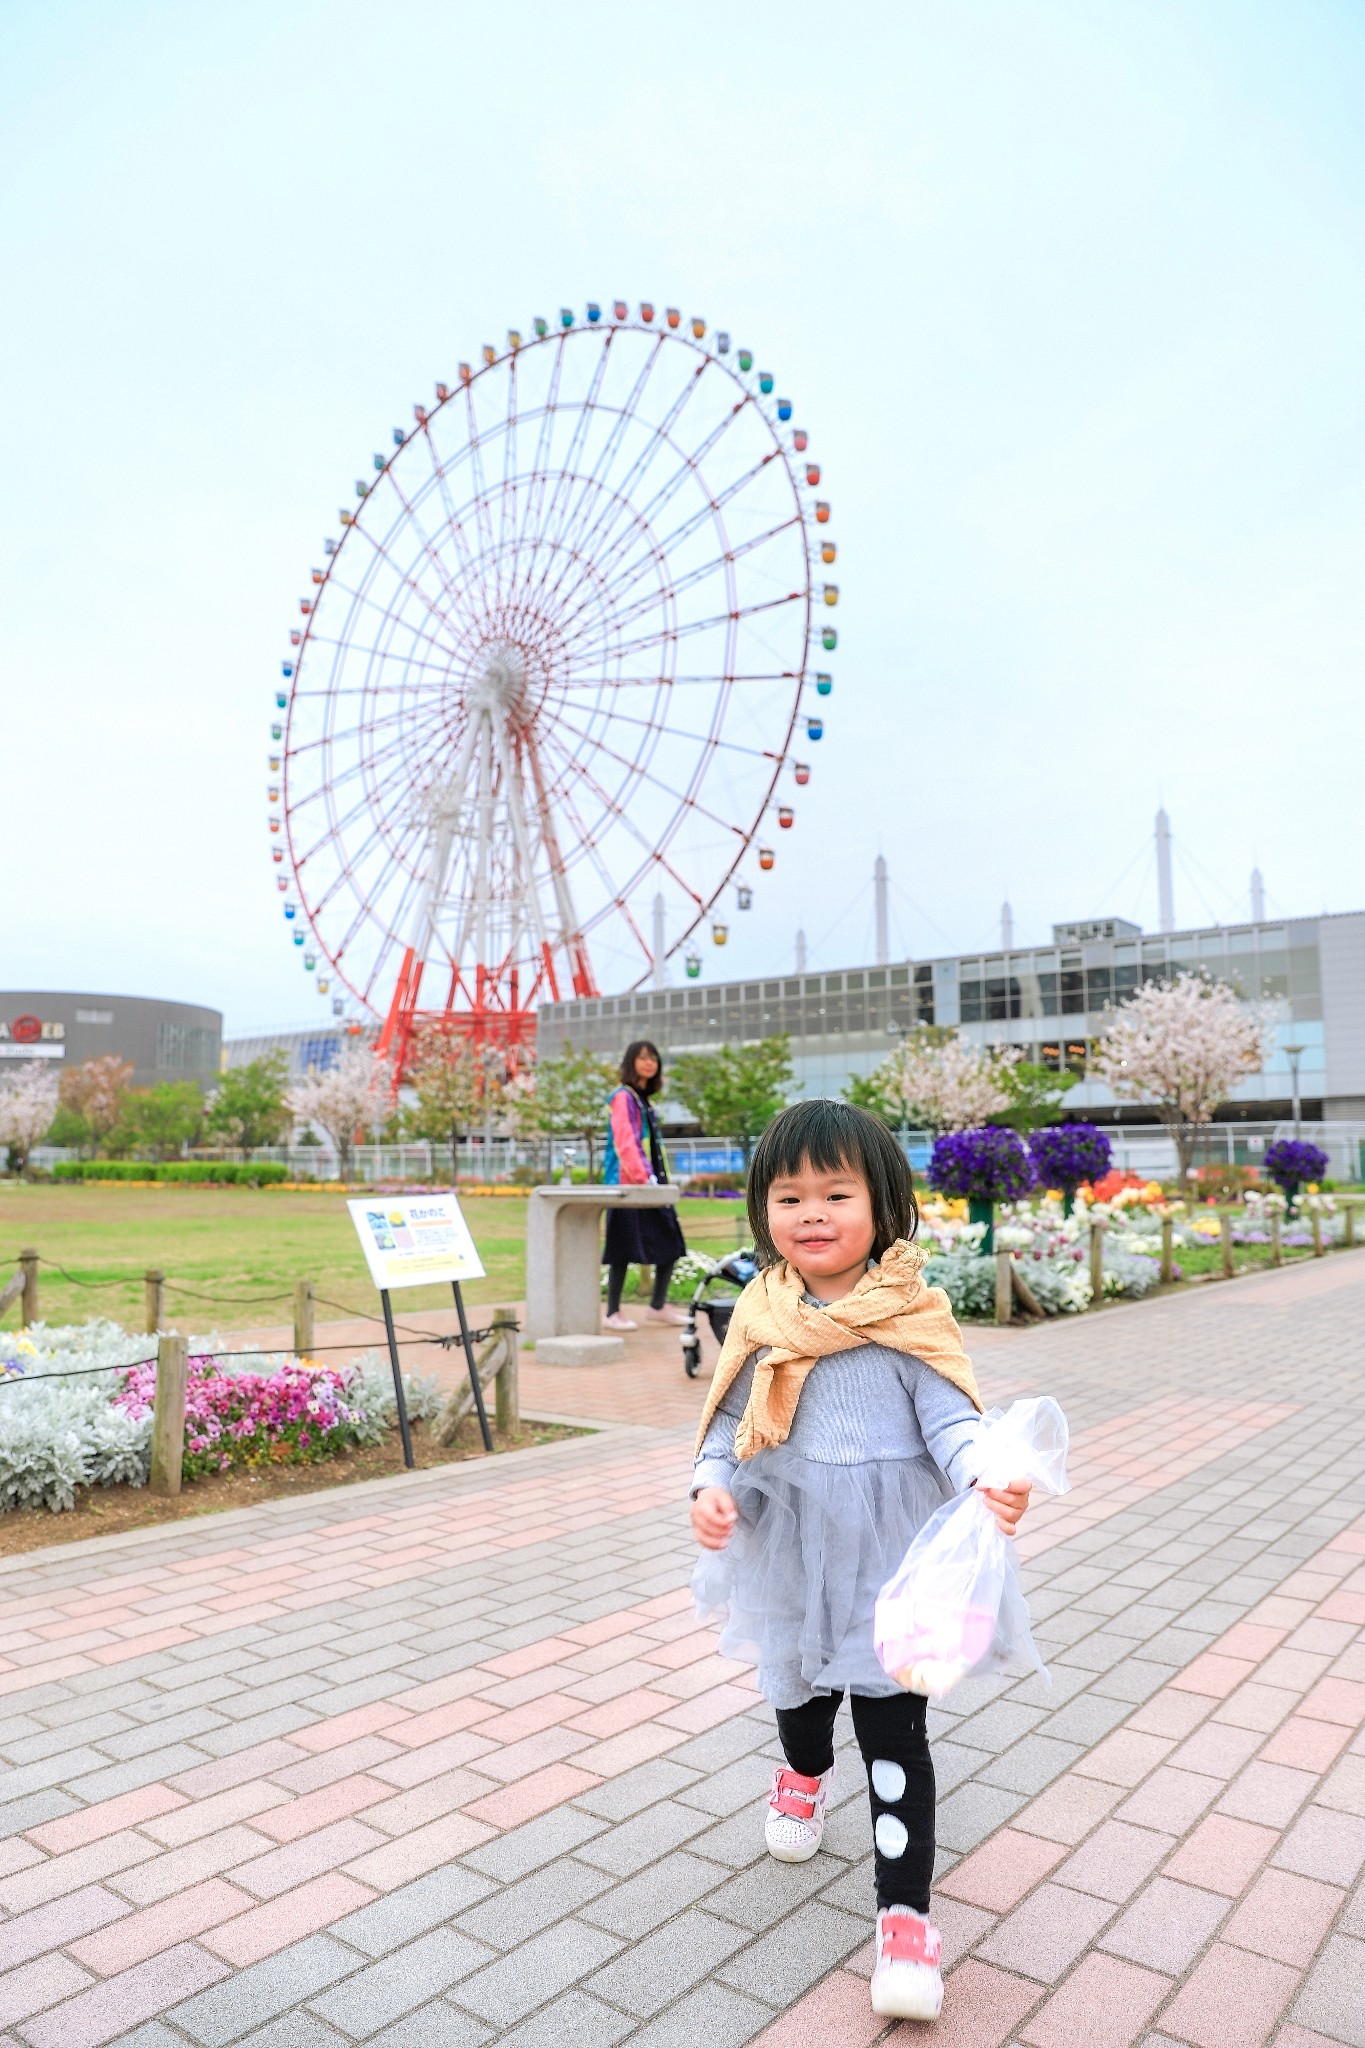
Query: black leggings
point(895, 1745)
point(616, 1280)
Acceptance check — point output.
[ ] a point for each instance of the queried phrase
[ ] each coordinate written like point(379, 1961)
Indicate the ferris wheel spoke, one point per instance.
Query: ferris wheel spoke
point(717, 566)
point(689, 628)
point(653, 854)
point(569, 468)
point(637, 772)
point(382, 787)
point(456, 593)
point(402, 573)
point(595, 479)
point(540, 471)
point(700, 739)
point(358, 596)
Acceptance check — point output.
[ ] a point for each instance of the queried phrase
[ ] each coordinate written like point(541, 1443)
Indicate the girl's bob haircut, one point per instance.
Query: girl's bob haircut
point(633, 1051)
point(828, 1136)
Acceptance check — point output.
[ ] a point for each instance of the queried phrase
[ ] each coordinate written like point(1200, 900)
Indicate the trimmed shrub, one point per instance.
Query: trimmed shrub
point(253, 1173)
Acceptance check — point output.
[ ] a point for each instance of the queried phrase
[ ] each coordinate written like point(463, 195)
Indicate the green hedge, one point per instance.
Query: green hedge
point(221, 1172)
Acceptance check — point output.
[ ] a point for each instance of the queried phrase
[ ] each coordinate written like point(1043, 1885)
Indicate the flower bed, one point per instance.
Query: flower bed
point(58, 1434)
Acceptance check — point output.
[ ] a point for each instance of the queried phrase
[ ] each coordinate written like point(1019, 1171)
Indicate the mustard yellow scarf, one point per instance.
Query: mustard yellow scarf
point(890, 1305)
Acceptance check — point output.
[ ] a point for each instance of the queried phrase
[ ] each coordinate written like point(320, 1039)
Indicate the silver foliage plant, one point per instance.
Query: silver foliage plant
point(58, 1434)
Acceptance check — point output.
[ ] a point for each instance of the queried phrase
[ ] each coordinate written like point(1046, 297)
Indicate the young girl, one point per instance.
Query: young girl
point(843, 1412)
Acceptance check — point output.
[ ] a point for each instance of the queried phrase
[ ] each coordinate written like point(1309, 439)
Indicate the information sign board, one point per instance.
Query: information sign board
point(413, 1240)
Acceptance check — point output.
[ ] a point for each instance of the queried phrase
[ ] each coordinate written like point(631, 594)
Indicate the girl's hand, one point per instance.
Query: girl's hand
point(713, 1517)
point(1006, 1503)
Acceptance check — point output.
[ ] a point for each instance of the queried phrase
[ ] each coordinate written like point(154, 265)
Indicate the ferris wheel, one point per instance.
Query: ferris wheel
point(549, 686)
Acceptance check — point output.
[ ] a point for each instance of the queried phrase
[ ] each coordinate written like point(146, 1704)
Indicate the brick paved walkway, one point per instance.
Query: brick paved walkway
point(446, 1761)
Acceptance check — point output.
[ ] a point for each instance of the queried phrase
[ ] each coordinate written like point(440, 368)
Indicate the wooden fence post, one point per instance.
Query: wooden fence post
point(1225, 1239)
point(154, 1284)
point(1315, 1216)
point(303, 1317)
point(507, 1399)
point(1004, 1289)
point(1167, 1250)
point(1096, 1262)
point(1276, 1238)
point(168, 1413)
point(28, 1260)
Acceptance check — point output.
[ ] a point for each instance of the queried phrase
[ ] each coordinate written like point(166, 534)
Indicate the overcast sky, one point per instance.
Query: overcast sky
point(1071, 297)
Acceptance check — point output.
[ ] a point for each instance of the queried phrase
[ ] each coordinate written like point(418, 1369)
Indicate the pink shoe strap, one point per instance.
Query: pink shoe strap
point(794, 1795)
point(908, 1939)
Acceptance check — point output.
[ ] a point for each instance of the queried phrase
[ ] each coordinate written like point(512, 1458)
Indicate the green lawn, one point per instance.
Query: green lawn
point(248, 1242)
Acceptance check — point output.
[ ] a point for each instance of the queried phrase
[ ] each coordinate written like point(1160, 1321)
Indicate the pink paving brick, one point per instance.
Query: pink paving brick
point(1114, 1861)
point(512, 1804)
point(1170, 1713)
point(139, 1935)
point(73, 1830)
point(1043, 1936)
point(212, 1857)
point(1343, 1606)
point(997, 1875)
point(124, 2002)
point(415, 1766)
point(1212, 1675)
point(1124, 1758)
point(328, 1765)
point(438, 1722)
point(625, 1649)
point(1319, 1633)
point(1232, 2000)
point(982, 2007)
point(1306, 1745)
point(1217, 1750)
point(1249, 1639)
point(1222, 1855)
point(687, 1649)
point(1104, 2003)
point(206, 1816)
point(316, 1809)
point(1069, 1808)
point(142, 1646)
point(519, 1759)
point(1302, 2037)
point(1257, 1706)
point(60, 1875)
point(1336, 1699)
point(534, 1657)
point(440, 1692)
point(700, 1677)
point(837, 2011)
point(1270, 1794)
point(279, 1871)
point(604, 1629)
point(264, 1930)
point(1170, 1800)
point(341, 1728)
point(1326, 1845)
point(37, 1985)
point(514, 1724)
point(614, 1717)
point(709, 1709)
point(413, 1855)
point(1285, 1917)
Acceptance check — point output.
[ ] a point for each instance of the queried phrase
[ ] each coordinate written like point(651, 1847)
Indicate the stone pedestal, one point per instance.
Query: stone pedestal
point(564, 1254)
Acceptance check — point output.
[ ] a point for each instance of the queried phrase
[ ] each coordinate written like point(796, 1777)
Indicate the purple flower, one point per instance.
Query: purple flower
point(1292, 1161)
point(989, 1165)
point(1064, 1155)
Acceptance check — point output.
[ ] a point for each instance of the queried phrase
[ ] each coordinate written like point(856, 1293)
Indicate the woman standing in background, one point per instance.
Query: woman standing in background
point(635, 1158)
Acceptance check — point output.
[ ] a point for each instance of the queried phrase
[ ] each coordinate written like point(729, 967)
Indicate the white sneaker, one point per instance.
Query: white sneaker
point(907, 1983)
point(795, 1824)
point(618, 1322)
point(666, 1315)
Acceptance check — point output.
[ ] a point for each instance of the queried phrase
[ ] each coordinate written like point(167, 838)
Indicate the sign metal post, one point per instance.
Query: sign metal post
point(475, 1383)
point(403, 1429)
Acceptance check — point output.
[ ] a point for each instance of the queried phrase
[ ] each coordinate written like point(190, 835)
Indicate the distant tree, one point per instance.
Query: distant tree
point(160, 1119)
point(566, 1097)
point(1183, 1046)
point(945, 1083)
point(456, 1083)
point(344, 1098)
point(868, 1091)
point(248, 1106)
point(95, 1091)
point(1035, 1096)
point(28, 1104)
point(735, 1093)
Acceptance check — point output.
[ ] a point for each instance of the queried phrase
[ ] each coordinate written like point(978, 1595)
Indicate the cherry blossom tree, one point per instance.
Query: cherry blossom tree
point(96, 1091)
point(343, 1098)
point(28, 1103)
point(456, 1083)
point(1183, 1045)
point(946, 1082)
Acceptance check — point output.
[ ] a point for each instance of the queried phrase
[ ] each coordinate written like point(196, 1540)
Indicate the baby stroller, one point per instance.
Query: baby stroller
point(738, 1269)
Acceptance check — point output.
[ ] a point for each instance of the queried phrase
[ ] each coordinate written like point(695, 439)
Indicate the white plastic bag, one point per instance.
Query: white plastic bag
point(956, 1604)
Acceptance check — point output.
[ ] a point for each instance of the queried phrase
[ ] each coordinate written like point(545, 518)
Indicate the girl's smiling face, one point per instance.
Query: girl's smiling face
point(821, 1223)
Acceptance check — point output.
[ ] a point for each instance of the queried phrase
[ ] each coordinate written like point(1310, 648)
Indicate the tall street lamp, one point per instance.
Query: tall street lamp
point(1294, 1053)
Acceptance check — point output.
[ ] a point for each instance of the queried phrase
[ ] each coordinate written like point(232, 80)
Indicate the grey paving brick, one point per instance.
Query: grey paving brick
point(794, 1954)
point(721, 1746)
point(415, 1973)
point(1332, 2001)
point(153, 2035)
point(1085, 1719)
point(116, 1779)
point(59, 1922)
point(768, 1891)
point(410, 1911)
point(667, 1963)
point(438, 2025)
point(573, 2021)
point(1031, 1764)
point(295, 2030)
point(535, 1972)
point(997, 1726)
point(515, 1912)
point(741, 1784)
point(713, 2015)
point(264, 1991)
point(629, 1847)
point(18, 1815)
point(256, 1728)
point(538, 1842)
point(1133, 1681)
point(618, 1798)
point(654, 1895)
point(736, 1841)
point(974, 1811)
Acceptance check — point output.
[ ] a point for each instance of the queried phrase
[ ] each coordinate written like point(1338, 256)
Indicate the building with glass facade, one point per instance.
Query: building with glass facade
point(1048, 1000)
point(164, 1041)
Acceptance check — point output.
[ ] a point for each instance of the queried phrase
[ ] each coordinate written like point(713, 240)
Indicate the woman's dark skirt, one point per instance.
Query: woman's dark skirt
point(643, 1237)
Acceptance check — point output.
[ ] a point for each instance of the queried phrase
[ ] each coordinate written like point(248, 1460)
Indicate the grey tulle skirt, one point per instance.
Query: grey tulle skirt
point(814, 1546)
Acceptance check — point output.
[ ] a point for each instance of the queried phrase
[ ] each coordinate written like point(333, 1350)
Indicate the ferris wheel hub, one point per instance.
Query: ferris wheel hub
point(499, 684)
